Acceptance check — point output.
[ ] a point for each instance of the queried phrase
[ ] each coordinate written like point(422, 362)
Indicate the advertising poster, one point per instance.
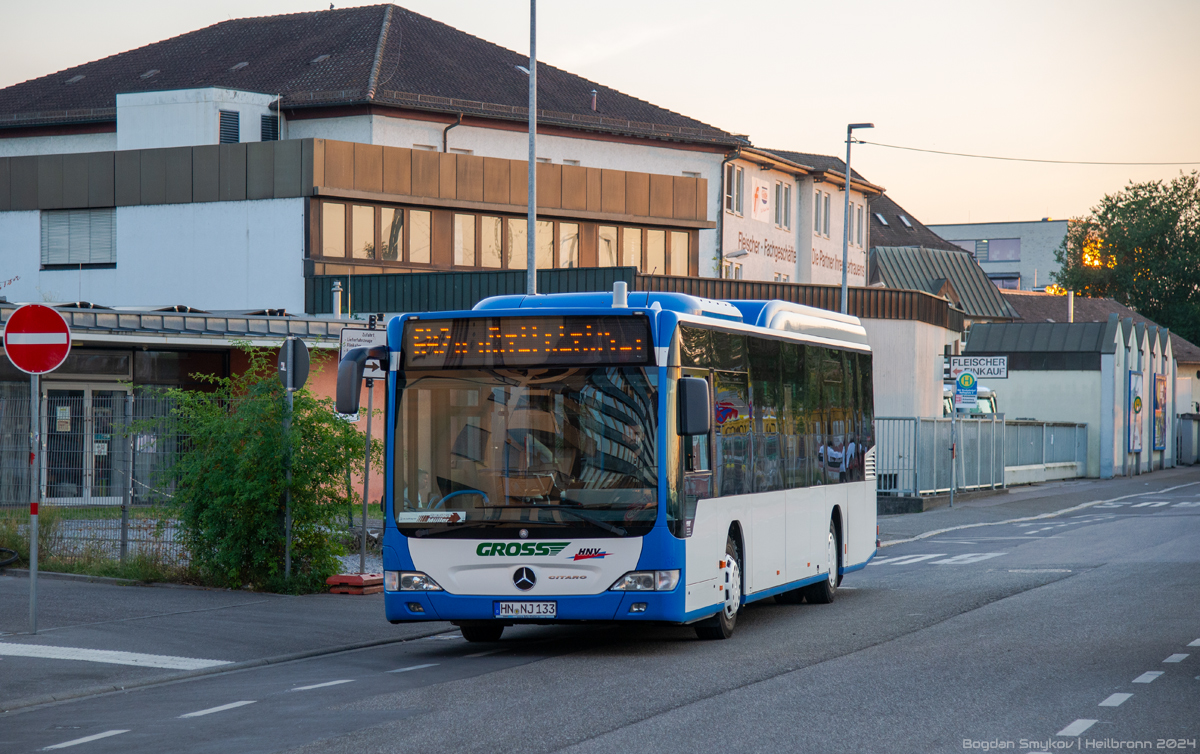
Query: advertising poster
point(1160, 412)
point(760, 205)
point(1135, 412)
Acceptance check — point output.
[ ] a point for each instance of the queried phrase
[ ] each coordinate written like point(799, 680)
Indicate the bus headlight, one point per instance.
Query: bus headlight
point(409, 581)
point(647, 581)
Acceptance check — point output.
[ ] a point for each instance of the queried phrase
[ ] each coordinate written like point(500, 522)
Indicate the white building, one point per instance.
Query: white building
point(1016, 255)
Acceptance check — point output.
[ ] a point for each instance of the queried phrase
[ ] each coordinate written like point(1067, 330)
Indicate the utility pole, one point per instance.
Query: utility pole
point(531, 214)
point(846, 224)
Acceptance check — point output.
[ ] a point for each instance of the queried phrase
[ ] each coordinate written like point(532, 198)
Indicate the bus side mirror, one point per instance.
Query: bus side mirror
point(349, 380)
point(695, 407)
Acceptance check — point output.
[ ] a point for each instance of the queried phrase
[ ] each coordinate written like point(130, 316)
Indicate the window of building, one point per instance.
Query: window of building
point(631, 248)
point(981, 251)
point(419, 227)
point(679, 253)
point(568, 244)
point(882, 220)
point(817, 213)
point(1004, 250)
point(967, 246)
point(464, 240)
point(606, 249)
point(737, 272)
point(734, 184)
point(825, 211)
point(858, 224)
point(656, 252)
point(546, 160)
point(230, 130)
point(571, 162)
point(425, 147)
point(391, 226)
point(518, 253)
point(491, 241)
point(545, 244)
point(362, 232)
point(79, 237)
point(333, 229)
point(783, 205)
point(270, 128)
point(462, 151)
point(904, 220)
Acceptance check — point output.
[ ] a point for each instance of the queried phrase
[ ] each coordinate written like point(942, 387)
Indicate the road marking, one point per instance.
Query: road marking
point(905, 559)
point(1176, 658)
point(321, 685)
point(1188, 505)
point(111, 657)
point(1039, 570)
point(85, 739)
point(210, 710)
point(1077, 727)
point(1148, 676)
point(1039, 517)
point(414, 667)
point(1116, 700)
point(488, 652)
point(968, 557)
point(1196, 643)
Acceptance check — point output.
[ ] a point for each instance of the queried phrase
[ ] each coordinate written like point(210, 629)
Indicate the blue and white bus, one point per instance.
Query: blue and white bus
point(649, 457)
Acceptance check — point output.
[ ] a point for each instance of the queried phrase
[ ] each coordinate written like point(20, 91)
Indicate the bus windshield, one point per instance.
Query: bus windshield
point(557, 451)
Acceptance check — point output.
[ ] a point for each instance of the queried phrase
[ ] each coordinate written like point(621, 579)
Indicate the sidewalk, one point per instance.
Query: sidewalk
point(194, 630)
point(1034, 500)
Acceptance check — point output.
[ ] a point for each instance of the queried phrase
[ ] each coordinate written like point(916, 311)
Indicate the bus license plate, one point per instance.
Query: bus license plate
point(526, 609)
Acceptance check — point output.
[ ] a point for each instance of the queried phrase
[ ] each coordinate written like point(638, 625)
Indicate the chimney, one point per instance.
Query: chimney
point(1070, 306)
point(593, 100)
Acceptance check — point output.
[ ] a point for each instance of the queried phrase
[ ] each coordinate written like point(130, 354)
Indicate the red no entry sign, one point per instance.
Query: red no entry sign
point(37, 339)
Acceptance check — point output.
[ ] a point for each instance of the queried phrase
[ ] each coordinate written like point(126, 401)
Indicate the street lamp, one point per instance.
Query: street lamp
point(846, 224)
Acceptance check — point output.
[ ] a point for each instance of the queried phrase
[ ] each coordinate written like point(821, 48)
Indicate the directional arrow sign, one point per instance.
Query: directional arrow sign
point(37, 339)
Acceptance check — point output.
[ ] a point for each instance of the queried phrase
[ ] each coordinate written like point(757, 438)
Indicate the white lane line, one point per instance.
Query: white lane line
point(968, 557)
point(1148, 677)
point(414, 667)
point(109, 656)
point(1077, 727)
point(85, 739)
point(1176, 658)
point(1116, 700)
point(1039, 517)
point(210, 710)
point(1194, 504)
point(487, 652)
point(905, 559)
point(1143, 505)
point(1196, 643)
point(321, 685)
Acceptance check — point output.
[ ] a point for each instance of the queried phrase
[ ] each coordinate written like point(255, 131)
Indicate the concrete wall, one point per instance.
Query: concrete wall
point(71, 144)
point(908, 366)
point(186, 117)
point(1056, 396)
point(1039, 240)
point(217, 255)
point(645, 157)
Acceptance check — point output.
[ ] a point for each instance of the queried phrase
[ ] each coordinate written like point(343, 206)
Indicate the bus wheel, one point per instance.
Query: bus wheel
point(482, 631)
point(822, 593)
point(722, 624)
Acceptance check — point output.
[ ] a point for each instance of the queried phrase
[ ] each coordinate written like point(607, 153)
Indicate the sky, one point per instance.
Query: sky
point(1086, 80)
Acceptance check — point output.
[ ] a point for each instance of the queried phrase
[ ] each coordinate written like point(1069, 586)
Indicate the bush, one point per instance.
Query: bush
point(231, 478)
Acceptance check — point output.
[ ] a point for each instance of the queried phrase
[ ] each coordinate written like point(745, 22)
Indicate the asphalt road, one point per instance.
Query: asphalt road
point(1075, 632)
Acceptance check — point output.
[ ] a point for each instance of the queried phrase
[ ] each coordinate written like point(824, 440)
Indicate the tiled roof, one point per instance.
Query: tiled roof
point(928, 270)
point(1044, 337)
point(817, 162)
point(1046, 307)
point(896, 233)
point(380, 54)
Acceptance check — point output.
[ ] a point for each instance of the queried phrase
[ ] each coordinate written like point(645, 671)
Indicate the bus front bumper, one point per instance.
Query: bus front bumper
point(403, 607)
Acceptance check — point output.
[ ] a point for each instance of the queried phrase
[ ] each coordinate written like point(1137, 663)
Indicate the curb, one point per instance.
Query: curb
point(23, 573)
point(37, 701)
point(1051, 514)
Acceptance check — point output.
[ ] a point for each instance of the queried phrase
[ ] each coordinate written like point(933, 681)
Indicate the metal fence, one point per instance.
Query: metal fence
point(913, 454)
point(106, 456)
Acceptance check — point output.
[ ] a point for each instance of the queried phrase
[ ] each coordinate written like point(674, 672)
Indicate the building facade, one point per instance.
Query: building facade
point(1015, 255)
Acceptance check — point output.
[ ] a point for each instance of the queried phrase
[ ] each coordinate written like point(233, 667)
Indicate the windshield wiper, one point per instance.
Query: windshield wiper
point(620, 532)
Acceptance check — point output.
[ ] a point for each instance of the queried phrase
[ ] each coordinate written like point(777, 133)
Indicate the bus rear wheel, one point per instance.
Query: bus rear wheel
point(477, 632)
point(822, 593)
point(721, 625)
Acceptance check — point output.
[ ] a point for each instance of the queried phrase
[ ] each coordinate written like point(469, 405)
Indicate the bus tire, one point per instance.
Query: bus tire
point(721, 625)
point(477, 632)
point(822, 593)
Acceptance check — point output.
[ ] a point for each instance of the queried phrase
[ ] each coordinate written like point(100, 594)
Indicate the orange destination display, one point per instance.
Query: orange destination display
point(526, 341)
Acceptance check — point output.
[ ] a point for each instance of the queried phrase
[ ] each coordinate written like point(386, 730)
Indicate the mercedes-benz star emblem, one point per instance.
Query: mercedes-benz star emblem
point(524, 579)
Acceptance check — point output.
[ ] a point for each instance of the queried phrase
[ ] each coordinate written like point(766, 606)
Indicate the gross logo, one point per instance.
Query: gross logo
point(516, 549)
point(524, 579)
point(588, 553)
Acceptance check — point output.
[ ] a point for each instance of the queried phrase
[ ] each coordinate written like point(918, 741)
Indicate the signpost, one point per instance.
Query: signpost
point(983, 367)
point(357, 337)
point(37, 341)
point(293, 373)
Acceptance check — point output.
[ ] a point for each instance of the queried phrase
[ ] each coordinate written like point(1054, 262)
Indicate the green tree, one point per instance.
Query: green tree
point(1141, 246)
point(230, 479)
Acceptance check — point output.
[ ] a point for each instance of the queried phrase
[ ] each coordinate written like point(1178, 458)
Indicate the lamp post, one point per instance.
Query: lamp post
point(531, 209)
point(846, 224)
